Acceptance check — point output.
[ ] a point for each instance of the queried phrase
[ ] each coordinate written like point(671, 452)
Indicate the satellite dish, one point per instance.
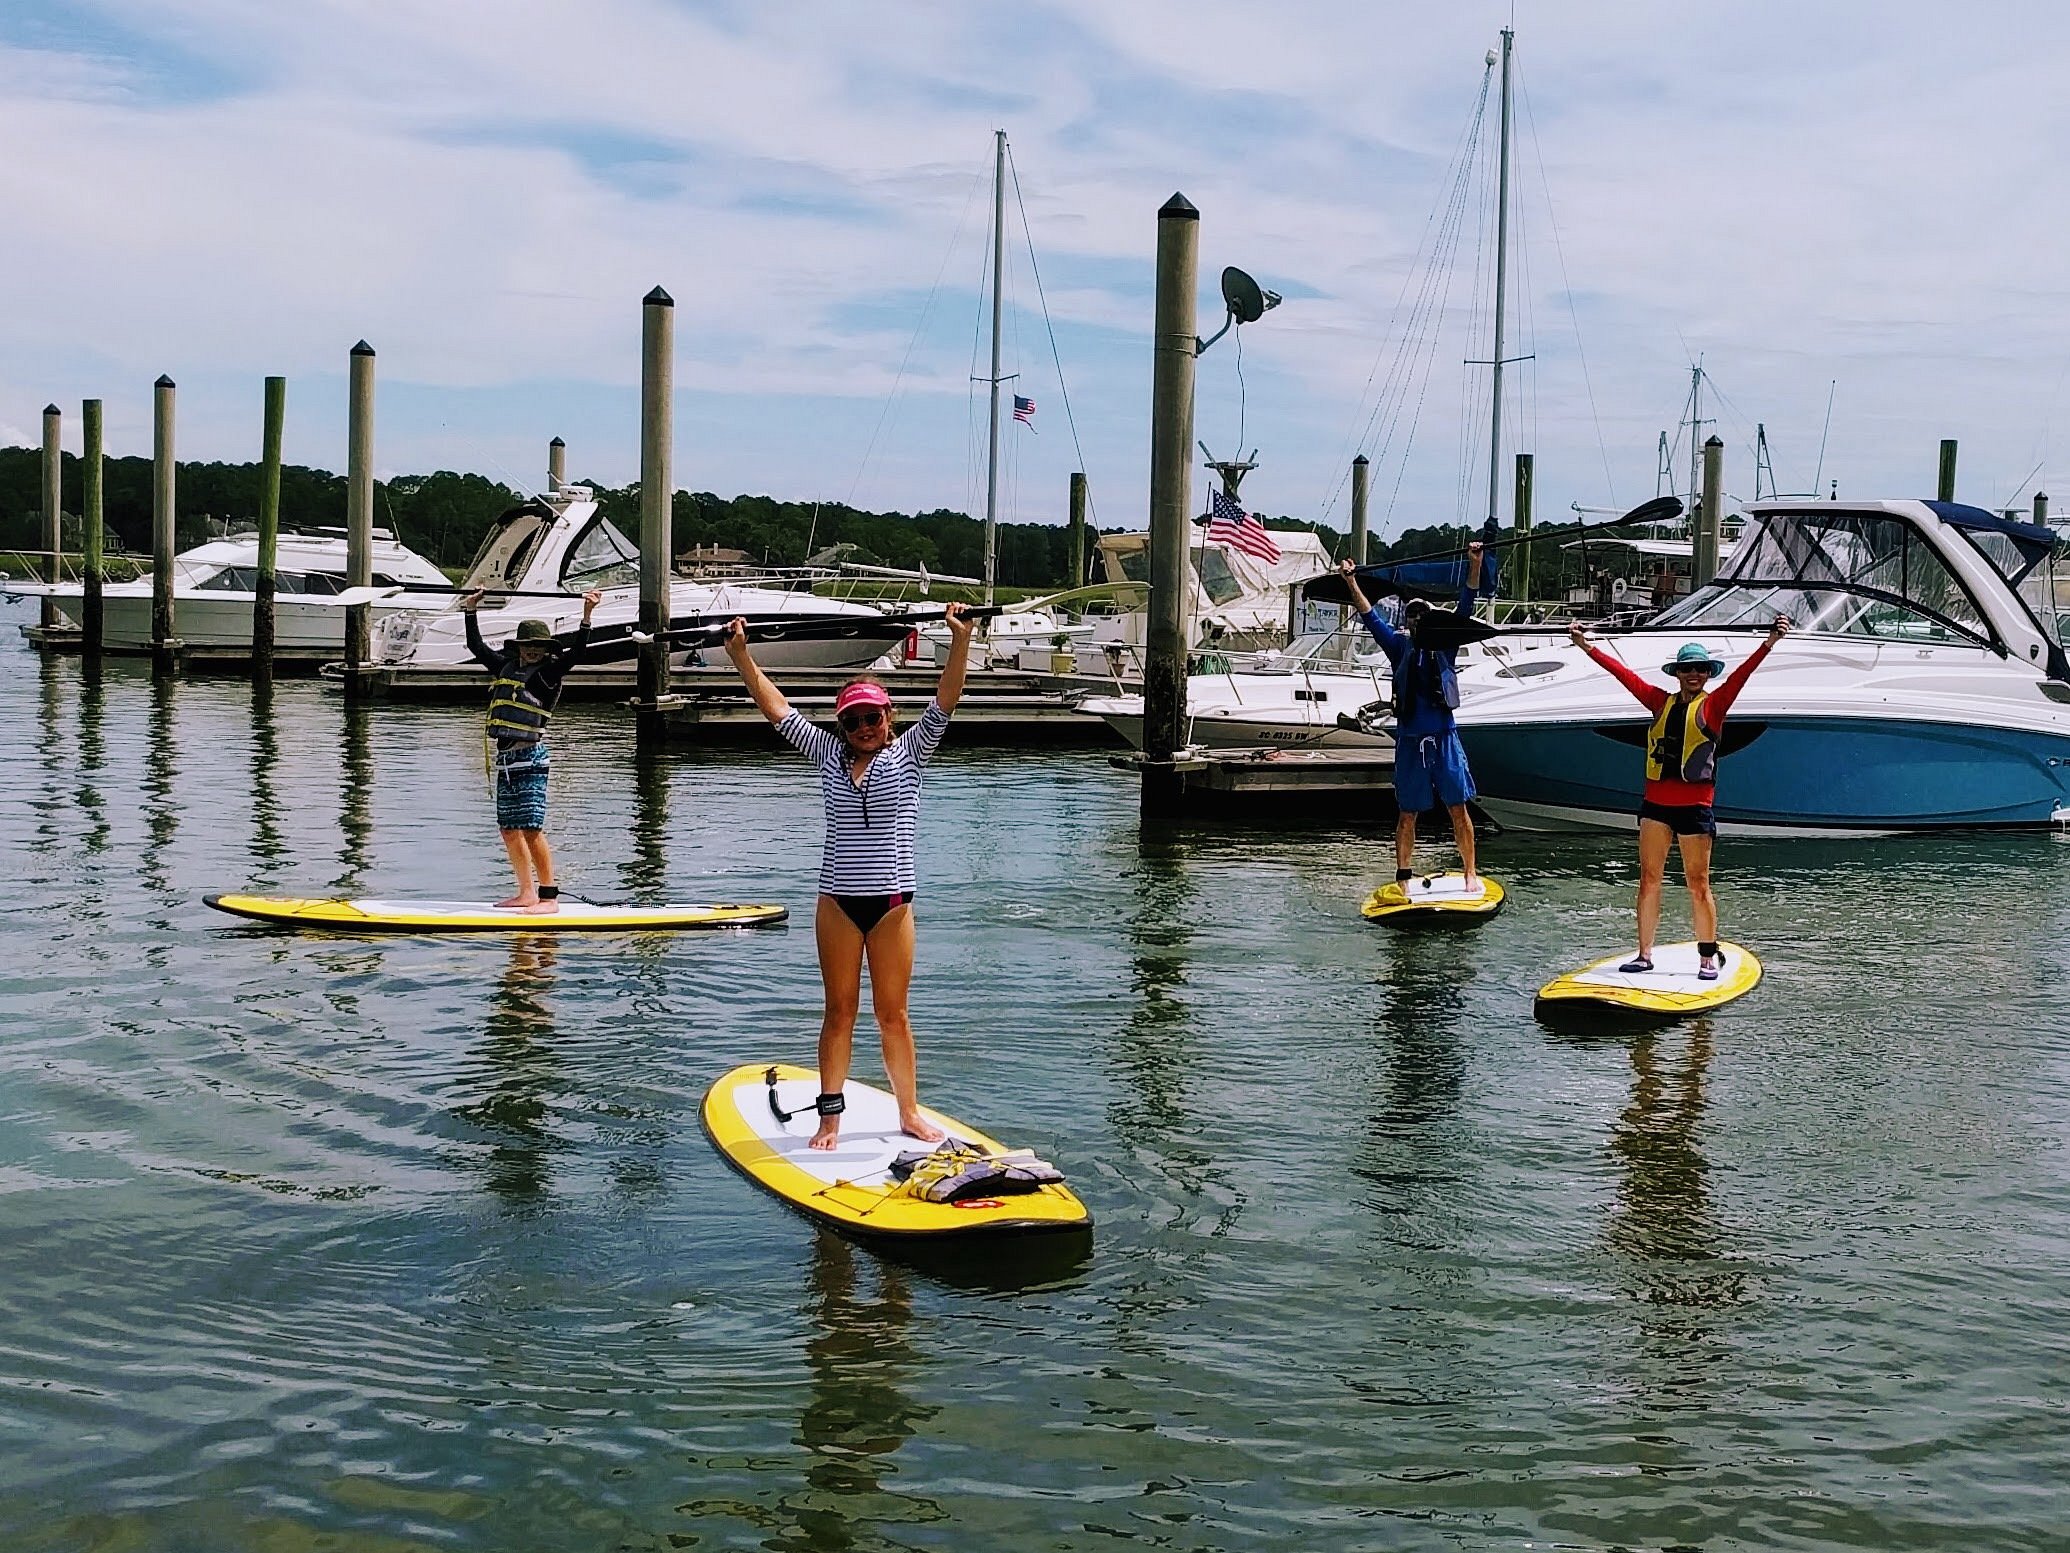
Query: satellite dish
point(1246, 300)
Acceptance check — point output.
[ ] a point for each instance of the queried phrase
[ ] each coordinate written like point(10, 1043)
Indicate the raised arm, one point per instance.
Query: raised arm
point(1721, 699)
point(1383, 633)
point(1469, 595)
point(1652, 697)
point(475, 645)
point(767, 697)
point(949, 690)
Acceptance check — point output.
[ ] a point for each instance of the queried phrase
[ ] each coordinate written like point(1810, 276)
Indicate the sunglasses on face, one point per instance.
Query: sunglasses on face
point(868, 717)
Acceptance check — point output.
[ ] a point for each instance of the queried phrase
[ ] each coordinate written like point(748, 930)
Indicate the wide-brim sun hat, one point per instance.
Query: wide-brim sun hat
point(1693, 655)
point(862, 693)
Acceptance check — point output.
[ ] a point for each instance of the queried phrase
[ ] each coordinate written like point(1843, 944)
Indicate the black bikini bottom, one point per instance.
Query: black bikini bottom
point(866, 911)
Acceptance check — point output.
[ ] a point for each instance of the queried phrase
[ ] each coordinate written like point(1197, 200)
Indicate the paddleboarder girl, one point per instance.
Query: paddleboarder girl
point(869, 781)
point(1681, 782)
point(1429, 761)
point(524, 686)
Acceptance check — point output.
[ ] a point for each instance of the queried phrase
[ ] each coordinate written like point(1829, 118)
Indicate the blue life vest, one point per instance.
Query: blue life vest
point(1424, 677)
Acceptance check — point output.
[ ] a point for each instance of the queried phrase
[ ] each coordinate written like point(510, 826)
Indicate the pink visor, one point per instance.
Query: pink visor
point(861, 695)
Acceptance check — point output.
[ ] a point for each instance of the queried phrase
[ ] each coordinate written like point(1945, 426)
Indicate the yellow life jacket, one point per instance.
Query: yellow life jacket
point(517, 714)
point(1686, 752)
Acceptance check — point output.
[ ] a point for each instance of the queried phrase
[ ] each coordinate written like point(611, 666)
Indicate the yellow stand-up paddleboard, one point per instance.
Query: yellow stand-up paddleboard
point(761, 1116)
point(575, 916)
point(1671, 990)
point(1433, 900)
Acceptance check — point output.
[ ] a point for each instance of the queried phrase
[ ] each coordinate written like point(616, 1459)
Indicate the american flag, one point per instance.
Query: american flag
point(1229, 524)
point(1024, 410)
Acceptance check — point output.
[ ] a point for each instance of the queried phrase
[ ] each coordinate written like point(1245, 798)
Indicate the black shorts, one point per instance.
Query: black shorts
point(1684, 819)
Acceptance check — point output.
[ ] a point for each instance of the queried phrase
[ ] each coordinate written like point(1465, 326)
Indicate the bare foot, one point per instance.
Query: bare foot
point(828, 1135)
point(914, 1125)
point(517, 900)
point(1473, 882)
point(540, 908)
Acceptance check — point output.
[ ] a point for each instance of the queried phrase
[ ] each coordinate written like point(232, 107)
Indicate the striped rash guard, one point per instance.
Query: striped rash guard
point(1716, 703)
point(871, 825)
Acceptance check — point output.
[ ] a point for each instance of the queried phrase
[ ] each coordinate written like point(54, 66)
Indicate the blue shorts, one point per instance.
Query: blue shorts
point(521, 788)
point(1430, 769)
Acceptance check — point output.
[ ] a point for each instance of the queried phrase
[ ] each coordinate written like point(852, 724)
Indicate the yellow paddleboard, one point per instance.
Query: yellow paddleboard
point(851, 1188)
point(366, 916)
point(1671, 990)
point(1433, 900)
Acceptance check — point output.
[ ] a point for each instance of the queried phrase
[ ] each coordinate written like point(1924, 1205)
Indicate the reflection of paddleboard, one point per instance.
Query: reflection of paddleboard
point(1670, 990)
point(479, 917)
point(851, 1188)
point(1433, 899)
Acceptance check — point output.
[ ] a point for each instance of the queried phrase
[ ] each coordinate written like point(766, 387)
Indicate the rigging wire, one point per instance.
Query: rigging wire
point(1418, 275)
point(926, 310)
point(1567, 285)
point(1063, 389)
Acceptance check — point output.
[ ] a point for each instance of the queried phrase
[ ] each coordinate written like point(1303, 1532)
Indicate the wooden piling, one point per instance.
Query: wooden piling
point(1175, 348)
point(1945, 488)
point(165, 645)
point(359, 513)
point(91, 541)
point(1361, 500)
point(1077, 531)
point(269, 528)
point(1704, 562)
point(556, 465)
point(1520, 509)
point(2041, 508)
point(657, 495)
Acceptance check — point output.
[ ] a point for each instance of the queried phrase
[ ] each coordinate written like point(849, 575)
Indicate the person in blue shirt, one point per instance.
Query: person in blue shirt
point(1429, 762)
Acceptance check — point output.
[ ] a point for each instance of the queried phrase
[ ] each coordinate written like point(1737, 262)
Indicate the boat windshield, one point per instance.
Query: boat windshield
point(501, 560)
point(2030, 570)
point(1840, 574)
point(1217, 581)
point(601, 558)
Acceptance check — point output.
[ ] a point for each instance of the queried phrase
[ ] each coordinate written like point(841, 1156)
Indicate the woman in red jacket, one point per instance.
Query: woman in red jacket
point(1681, 782)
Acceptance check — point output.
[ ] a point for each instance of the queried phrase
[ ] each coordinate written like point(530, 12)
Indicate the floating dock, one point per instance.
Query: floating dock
point(999, 706)
point(1280, 783)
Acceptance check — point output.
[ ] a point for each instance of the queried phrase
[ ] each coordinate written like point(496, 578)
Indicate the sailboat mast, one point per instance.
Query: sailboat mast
point(992, 459)
point(1501, 286)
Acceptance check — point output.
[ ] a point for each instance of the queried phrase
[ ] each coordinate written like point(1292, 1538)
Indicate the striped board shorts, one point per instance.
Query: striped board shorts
point(521, 788)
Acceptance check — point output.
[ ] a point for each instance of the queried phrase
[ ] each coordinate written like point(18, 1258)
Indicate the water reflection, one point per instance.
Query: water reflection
point(1154, 1052)
point(93, 760)
point(646, 871)
point(1419, 1022)
point(516, 1068)
point(858, 1413)
point(267, 847)
point(356, 787)
point(50, 718)
point(1663, 1222)
point(161, 776)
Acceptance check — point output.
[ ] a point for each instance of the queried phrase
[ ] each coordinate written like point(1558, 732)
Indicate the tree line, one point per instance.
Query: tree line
point(443, 516)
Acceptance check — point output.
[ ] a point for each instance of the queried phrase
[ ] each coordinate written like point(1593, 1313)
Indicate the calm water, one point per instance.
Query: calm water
point(415, 1243)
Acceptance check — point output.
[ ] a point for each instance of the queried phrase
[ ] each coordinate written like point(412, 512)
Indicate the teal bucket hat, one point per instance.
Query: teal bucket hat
point(1691, 655)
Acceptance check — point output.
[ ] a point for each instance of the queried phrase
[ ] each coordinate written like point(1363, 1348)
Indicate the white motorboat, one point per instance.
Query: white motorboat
point(541, 557)
point(1924, 687)
point(1297, 699)
point(214, 591)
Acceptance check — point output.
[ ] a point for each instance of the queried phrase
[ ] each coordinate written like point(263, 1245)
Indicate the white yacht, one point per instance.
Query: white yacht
point(542, 556)
point(214, 590)
point(1924, 687)
point(1305, 697)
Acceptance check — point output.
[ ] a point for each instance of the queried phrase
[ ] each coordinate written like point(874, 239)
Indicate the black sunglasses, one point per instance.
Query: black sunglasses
point(869, 717)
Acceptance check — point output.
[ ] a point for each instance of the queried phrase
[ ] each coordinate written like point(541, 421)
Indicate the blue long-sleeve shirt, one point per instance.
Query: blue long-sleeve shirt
point(1426, 718)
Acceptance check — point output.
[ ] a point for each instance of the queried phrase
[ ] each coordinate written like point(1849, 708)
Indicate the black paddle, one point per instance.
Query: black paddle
point(1378, 581)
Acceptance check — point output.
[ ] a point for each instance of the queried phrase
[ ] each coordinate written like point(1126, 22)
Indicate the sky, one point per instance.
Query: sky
point(1852, 205)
